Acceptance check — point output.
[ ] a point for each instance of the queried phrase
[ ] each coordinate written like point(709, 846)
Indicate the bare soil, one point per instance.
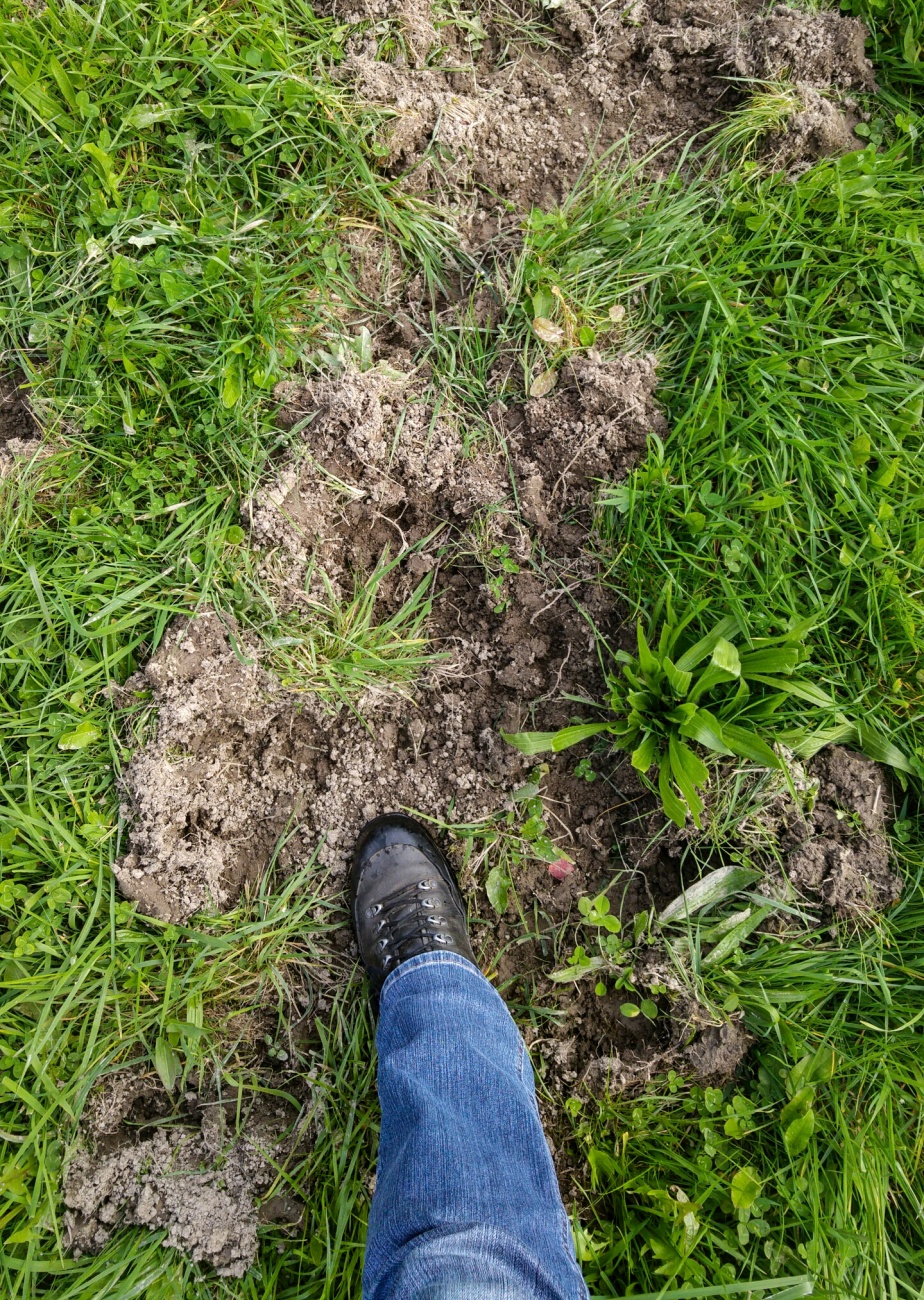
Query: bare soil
point(192, 1168)
point(494, 126)
point(236, 755)
point(839, 853)
point(19, 429)
point(823, 848)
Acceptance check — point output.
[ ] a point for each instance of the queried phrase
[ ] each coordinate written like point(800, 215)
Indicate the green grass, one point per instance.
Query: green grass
point(178, 185)
point(896, 29)
point(790, 321)
point(338, 648)
point(155, 285)
point(846, 1208)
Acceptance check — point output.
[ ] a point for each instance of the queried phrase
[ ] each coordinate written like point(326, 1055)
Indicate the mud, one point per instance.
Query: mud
point(237, 756)
point(495, 127)
point(187, 1170)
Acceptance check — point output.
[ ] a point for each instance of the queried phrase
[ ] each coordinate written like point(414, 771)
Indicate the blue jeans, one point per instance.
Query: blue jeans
point(466, 1203)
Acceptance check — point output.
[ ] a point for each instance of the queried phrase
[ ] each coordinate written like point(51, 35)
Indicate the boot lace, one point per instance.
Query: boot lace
point(411, 920)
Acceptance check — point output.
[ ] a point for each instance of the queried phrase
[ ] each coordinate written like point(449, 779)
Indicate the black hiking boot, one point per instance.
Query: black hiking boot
point(404, 898)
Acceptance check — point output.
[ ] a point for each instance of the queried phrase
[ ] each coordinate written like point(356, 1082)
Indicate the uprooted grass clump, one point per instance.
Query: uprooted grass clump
point(180, 195)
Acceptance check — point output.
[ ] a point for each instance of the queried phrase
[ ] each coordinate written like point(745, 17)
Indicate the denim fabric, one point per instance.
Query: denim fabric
point(466, 1203)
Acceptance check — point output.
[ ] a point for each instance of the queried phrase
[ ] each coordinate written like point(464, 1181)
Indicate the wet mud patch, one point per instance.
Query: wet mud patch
point(494, 128)
point(195, 1170)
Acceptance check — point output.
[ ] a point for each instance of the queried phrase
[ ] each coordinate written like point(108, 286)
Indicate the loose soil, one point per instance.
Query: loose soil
point(230, 756)
point(236, 755)
point(190, 1168)
point(19, 429)
point(822, 844)
point(493, 125)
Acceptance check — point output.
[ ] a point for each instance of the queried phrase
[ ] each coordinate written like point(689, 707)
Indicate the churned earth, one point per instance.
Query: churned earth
point(496, 126)
point(240, 743)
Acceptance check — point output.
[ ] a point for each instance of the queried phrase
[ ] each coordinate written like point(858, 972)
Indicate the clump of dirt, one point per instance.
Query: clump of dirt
point(818, 129)
point(821, 842)
point(819, 49)
point(594, 425)
point(693, 1044)
point(209, 797)
point(17, 423)
point(494, 135)
point(377, 468)
point(19, 429)
point(380, 466)
point(193, 1173)
point(842, 856)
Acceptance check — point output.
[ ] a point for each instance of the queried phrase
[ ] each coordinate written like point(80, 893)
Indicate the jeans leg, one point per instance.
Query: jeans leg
point(466, 1203)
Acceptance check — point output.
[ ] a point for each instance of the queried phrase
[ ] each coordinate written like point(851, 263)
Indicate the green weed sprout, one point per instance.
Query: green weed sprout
point(662, 700)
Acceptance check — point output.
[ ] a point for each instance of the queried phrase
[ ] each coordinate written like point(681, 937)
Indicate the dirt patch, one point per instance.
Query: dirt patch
point(819, 49)
point(495, 132)
point(844, 859)
point(379, 466)
point(19, 429)
point(693, 1044)
point(17, 423)
point(822, 845)
point(237, 757)
point(193, 1173)
point(818, 129)
point(823, 851)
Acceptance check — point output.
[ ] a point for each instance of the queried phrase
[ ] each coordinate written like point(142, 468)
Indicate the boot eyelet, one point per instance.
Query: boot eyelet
point(374, 909)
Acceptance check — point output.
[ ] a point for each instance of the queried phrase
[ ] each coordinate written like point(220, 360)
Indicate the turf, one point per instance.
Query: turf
point(790, 323)
point(788, 317)
point(179, 186)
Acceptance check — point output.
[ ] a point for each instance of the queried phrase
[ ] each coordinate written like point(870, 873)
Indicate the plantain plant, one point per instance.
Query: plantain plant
point(665, 702)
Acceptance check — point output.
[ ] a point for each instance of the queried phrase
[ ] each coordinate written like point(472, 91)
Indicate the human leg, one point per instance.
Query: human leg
point(466, 1205)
